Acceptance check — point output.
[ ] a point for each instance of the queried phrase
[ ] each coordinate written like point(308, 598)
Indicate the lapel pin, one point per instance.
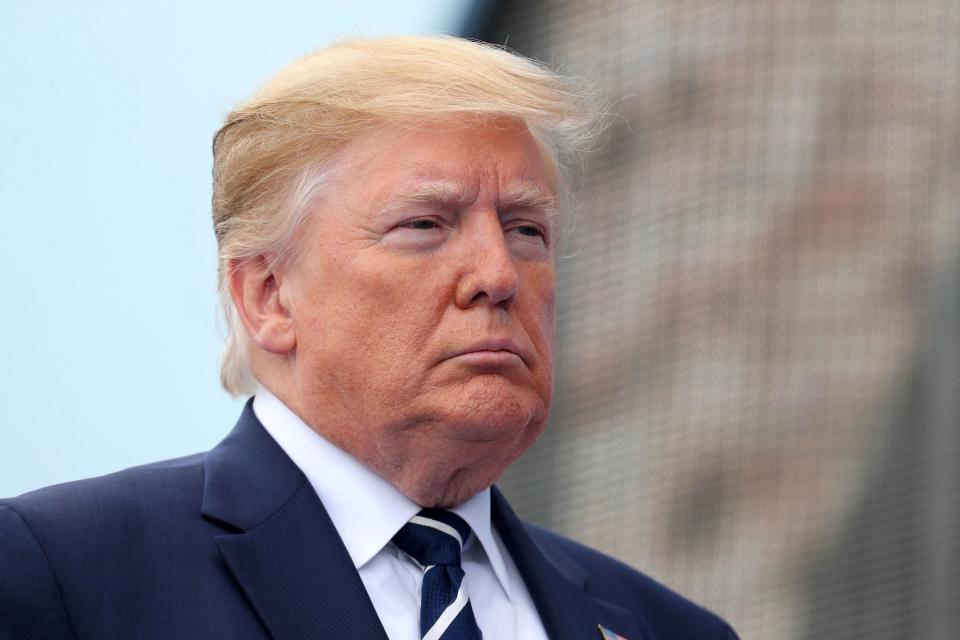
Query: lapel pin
point(609, 634)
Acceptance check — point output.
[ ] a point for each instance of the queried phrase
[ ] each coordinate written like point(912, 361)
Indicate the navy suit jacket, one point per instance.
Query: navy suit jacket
point(235, 544)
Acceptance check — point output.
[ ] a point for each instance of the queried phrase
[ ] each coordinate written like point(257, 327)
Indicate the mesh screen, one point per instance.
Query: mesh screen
point(758, 375)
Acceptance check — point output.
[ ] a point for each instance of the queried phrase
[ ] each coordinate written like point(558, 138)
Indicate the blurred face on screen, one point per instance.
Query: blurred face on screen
point(423, 302)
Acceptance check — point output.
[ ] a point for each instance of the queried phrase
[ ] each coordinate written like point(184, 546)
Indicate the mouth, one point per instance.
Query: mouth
point(490, 352)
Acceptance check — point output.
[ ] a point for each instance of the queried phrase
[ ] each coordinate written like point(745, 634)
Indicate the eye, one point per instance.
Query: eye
point(422, 223)
point(530, 233)
point(529, 230)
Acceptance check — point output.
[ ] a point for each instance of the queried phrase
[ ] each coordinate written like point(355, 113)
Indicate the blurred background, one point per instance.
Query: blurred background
point(758, 392)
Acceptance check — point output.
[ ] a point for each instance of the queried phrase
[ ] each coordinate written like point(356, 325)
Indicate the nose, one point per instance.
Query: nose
point(489, 275)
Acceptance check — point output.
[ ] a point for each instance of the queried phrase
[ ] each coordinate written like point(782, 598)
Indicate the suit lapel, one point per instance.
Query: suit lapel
point(557, 584)
point(285, 553)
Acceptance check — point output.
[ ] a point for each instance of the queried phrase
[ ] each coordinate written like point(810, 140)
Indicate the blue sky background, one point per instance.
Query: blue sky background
point(109, 354)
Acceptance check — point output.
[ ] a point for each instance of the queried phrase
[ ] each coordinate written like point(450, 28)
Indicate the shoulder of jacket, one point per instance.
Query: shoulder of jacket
point(126, 490)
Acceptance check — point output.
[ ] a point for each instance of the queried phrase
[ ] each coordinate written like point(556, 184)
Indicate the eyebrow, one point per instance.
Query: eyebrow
point(528, 195)
point(438, 193)
point(521, 195)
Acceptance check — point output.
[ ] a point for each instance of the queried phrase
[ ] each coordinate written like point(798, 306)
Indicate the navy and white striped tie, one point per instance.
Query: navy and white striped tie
point(434, 538)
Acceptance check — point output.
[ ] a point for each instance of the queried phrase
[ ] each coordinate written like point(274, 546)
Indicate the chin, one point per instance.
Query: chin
point(496, 411)
point(468, 452)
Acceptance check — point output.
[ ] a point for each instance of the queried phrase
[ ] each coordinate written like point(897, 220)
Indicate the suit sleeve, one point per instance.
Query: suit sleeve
point(31, 604)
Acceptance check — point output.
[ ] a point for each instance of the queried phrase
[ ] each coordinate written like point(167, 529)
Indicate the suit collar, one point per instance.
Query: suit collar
point(284, 551)
point(247, 476)
point(558, 584)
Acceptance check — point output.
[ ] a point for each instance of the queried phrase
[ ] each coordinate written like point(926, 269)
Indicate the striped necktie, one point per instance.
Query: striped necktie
point(434, 538)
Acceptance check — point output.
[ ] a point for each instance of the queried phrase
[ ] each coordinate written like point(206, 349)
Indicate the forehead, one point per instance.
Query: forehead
point(449, 155)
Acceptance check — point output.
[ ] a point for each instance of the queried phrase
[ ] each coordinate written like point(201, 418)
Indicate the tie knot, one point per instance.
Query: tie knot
point(433, 537)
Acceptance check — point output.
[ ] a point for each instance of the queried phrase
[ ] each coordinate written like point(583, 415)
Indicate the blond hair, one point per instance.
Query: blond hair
point(274, 151)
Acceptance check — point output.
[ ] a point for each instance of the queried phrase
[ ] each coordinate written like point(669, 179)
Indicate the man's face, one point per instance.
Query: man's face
point(422, 303)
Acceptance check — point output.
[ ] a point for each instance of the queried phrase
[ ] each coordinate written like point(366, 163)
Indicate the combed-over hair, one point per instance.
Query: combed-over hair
point(274, 150)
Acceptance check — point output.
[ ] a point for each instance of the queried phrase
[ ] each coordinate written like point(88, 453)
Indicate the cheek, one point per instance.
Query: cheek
point(541, 322)
point(383, 316)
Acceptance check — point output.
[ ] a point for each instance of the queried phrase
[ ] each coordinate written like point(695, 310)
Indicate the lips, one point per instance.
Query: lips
point(492, 346)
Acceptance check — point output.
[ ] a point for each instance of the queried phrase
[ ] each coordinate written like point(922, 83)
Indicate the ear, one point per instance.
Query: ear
point(255, 290)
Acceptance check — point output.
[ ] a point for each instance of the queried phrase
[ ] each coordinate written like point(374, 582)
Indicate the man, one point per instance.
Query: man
point(387, 220)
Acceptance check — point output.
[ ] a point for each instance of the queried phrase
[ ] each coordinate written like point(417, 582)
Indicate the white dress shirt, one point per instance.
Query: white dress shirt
point(367, 511)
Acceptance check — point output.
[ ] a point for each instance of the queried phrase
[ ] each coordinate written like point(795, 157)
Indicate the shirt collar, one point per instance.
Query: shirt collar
point(372, 511)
